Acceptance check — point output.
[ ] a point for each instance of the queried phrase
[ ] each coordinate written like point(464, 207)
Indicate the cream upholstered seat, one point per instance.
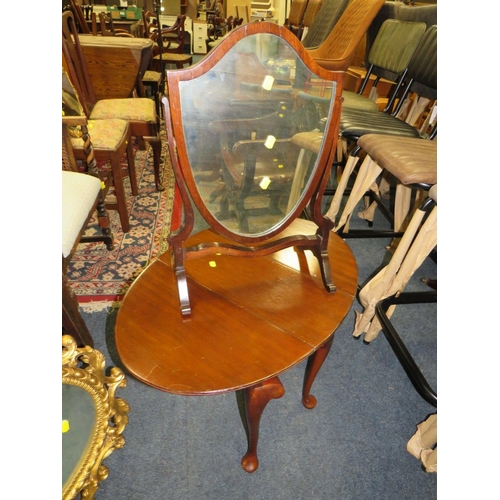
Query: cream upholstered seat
point(79, 195)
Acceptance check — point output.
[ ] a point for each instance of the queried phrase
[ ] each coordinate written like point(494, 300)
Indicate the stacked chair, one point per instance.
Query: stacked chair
point(111, 141)
point(392, 51)
point(82, 197)
point(354, 124)
point(140, 113)
point(296, 16)
point(323, 23)
point(312, 10)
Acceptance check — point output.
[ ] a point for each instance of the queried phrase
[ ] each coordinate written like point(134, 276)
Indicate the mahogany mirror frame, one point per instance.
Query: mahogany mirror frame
point(248, 245)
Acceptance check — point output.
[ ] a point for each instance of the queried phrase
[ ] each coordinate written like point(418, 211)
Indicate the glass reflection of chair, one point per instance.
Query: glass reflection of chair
point(242, 103)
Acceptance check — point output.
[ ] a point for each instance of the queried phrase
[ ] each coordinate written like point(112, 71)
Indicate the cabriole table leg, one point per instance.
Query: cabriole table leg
point(255, 400)
point(314, 363)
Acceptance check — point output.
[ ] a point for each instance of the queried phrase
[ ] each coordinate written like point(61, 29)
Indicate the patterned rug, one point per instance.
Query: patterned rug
point(99, 277)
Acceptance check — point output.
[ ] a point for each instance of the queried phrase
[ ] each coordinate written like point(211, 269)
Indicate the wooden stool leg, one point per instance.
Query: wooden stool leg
point(121, 199)
point(314, 363)
point(255, 400)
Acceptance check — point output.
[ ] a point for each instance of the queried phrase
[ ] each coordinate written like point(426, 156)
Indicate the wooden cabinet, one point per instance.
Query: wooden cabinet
point(199, 37)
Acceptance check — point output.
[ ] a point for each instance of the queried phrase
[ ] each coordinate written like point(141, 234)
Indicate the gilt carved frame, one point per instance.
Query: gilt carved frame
point(84, 368)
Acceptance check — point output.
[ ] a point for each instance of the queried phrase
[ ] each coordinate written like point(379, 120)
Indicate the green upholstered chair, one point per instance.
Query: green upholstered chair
point(323, 23)
point(391, 50)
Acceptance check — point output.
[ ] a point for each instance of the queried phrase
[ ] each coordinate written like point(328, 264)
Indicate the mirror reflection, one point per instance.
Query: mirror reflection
point(244, 122)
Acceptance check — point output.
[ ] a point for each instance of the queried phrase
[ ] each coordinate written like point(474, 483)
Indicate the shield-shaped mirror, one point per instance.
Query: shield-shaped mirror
point(252, 132)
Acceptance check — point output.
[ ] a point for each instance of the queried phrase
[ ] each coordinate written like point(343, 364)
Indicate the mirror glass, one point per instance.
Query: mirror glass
point(244, 123)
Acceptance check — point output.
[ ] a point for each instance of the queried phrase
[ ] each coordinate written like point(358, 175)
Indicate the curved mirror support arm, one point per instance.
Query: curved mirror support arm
point(251, 144)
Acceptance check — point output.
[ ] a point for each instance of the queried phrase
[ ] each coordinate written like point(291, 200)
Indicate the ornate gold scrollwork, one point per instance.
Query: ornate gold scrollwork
point(84, 367)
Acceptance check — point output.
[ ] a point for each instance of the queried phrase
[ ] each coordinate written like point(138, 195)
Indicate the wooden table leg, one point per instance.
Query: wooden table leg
point(314, 363)
point(255, 400)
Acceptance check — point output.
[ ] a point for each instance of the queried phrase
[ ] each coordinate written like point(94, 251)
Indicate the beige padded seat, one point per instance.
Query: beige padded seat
point(412, 161)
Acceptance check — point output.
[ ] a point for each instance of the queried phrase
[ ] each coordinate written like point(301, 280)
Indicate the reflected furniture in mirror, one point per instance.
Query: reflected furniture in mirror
point(262, 296)
point(93, 418)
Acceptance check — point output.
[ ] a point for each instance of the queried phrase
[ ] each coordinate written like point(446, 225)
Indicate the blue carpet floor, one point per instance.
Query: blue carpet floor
point(351, 446)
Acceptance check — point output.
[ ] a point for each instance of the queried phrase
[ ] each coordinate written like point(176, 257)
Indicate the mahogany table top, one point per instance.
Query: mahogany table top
point(252, 318)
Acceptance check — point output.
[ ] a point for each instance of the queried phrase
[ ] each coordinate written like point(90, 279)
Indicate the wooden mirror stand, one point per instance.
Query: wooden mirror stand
point(242, 126)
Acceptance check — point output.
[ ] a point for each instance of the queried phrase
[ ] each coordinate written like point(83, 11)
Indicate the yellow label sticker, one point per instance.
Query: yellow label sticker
point(270, 140)
point(65, 426)
point(264, 183)
point(268, 82)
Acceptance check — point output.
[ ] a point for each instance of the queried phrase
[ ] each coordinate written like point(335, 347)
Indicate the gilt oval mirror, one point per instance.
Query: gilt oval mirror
point(247, 171)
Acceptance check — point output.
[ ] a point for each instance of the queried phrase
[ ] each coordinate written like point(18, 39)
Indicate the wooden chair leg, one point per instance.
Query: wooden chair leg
point(72, 321)
point(131, 169)
point(121, 200)
point(156, 146)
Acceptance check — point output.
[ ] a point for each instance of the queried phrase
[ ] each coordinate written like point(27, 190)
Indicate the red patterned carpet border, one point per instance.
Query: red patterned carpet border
point(100, 278)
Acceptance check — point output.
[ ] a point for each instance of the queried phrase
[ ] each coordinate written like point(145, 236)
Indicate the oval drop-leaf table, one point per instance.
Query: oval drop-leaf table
point(252, 319)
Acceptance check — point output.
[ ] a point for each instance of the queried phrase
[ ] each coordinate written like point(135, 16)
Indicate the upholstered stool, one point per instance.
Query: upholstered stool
point(110, 142)
point(152, 79)
point(412, 161)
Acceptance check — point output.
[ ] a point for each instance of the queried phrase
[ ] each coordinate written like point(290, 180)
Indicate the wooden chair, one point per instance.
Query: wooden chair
point(82, 196)
point(80, 20)
point(170, 46)
point(140, 113)
point(106, 20)
point(312, 9)
point(339, 48)
point(150, 23)
point(296, 15)
point(111, 141)
point(323, 23)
